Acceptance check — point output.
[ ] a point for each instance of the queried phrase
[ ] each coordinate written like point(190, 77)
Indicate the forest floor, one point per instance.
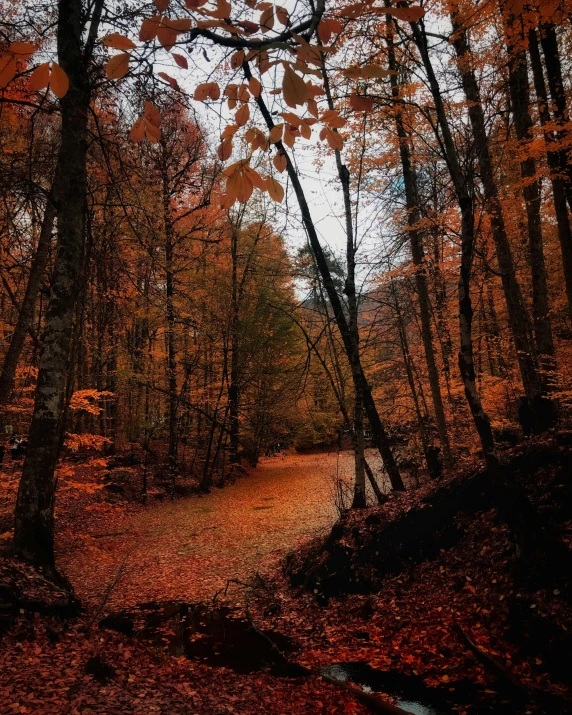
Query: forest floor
point(120, 554)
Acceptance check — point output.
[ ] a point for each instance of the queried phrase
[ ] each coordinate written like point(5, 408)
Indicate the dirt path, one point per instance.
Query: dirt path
point(189, 548)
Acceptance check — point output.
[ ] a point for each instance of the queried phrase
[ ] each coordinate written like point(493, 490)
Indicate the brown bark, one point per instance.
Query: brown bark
point(26, 312)
point(517, 312)
point(531, 189)
point(352, 349)
point(554, 164)
point(34, 515)
point(418, 255)
point(464, 198)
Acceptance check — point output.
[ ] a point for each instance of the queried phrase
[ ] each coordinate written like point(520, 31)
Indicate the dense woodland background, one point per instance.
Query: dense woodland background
point(199, 334)
point(176, 306)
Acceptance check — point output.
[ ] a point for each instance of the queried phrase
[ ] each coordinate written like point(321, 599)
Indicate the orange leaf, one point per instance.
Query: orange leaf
point(152, 132)
point(59, 82)
point(254, 86)
point(361, 104)
point(267, 19)
point(242, 115)
point(407, 14)
point(167, 36)
point(40, 77)
point(333, 119)
point(152, 114)
point(275, 190)
point(118, 66)
point(276, 133)
point(327, 28)
point(181, 60)
point(162, 5)
point(8, 67)
point(225, 149)
point(171, 80)
point(237, 59)
point(282, 15)
point(137, 132)
point(149, 29)
point(279, 162)
point(118, 42)
point(294, 88)
point(22, 48)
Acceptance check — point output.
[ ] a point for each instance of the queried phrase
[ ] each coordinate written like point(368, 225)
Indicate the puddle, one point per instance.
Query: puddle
point(219, 636)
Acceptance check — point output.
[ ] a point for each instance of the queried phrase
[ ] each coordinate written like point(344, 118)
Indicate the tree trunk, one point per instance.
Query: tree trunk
point(464, 198)
point(170, 312)
point(26, 314)
point(360, 381)
point(519, 96)
point(418, 255)
point(233, 389)
point(34, 515)
point(553, 159)
point(407, 362)
point(549, 43)
point(517, 311)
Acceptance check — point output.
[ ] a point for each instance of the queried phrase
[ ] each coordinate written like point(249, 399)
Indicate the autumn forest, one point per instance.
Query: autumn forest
point(285, 357)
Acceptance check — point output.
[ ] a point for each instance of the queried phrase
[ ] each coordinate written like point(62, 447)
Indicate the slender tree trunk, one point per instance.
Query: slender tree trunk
point(465, 200)
point(554, 164)
point(26, 313)
point(34, 515)
point(519, 96)
point(418, 255)
point(407, 362)
point(233, 390)
point(170, 311)
point(360, 381)
point(549, 43)
point(517, 311)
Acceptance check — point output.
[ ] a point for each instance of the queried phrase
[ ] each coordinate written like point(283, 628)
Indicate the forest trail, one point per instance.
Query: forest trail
point(188, 549)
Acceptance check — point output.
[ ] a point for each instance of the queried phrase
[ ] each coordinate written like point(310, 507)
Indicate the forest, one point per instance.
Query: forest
point(285, 357)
